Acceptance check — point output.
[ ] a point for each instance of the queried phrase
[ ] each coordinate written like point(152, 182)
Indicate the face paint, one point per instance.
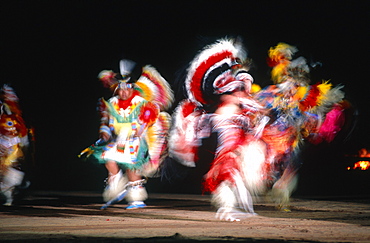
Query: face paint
point(123, 85)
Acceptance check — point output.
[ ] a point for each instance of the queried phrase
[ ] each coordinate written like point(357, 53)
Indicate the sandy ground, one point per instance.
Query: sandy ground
point(76, 216)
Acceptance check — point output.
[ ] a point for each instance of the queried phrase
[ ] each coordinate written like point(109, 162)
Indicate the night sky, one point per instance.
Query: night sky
point(52, 52)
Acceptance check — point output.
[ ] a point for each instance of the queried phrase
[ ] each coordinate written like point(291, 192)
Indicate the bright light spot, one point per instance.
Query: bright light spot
point(362, 165)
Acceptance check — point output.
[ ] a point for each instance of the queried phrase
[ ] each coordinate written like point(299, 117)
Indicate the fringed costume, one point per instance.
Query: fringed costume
point(298, 112)
point(218, 86)
point(137, 127)
point(13, 144)
point(259, 131)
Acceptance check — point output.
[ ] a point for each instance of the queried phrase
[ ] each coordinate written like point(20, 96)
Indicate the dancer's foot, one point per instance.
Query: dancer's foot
point(285, 209)
point(136, 205)
point(116, 184)
point(232, 214)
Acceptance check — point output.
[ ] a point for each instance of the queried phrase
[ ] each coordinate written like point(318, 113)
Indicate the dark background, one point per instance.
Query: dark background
point(52, 52)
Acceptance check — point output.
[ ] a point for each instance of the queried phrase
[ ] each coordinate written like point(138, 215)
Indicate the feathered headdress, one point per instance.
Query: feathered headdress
point(212, 62)
point(280, 59)
point(111, 79)
point(151, 85)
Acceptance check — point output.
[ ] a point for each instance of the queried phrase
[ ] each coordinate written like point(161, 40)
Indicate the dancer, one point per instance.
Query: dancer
point(259, 134)
point(298, 112)
point(13, 144)
point(133, 131)
point(218, 86)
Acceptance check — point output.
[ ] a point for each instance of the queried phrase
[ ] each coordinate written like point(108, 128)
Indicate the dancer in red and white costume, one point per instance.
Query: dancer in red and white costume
point(219, 101)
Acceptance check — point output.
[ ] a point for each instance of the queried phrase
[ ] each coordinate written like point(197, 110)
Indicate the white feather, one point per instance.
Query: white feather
point(221, 45)
point(126, 66)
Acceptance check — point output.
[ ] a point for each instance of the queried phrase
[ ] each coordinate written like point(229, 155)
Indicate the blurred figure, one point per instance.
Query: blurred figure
point(13, 144)
point(236, 176)
point(259, 132)
point(298, 112)
point(218, 87)
point(133, 131)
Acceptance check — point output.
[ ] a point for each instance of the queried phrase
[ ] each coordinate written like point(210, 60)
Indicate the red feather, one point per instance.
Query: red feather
point(187, 108)
point(311, 99)
point(221, 170)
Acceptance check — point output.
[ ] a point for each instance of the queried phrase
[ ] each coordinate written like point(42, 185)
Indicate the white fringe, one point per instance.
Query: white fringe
point(136, 193)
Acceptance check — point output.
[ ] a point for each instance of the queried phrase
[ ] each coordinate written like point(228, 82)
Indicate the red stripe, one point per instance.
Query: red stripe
point(196, 82)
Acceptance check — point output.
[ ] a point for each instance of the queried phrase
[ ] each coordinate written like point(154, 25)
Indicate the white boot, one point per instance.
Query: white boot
point(136, 197)
point(116, 184)
point(231, 207)
point(12, 178)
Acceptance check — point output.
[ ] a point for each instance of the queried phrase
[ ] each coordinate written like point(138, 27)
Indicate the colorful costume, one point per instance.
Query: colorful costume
point(13, 144)
point(298, 112)
point(259, 133)
point(219, 101)
point(137, 127)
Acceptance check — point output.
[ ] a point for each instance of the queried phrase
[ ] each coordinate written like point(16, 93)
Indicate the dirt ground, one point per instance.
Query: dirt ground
point(76, 217)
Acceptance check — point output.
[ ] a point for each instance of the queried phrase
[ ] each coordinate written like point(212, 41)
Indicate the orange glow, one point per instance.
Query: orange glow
point(363, 153)
point(362, 165)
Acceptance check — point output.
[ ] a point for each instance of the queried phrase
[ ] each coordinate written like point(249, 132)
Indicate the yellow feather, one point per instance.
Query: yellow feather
point(255, 88)
point(281, 54)
point(151, 136)
point(146, 92)
point(278, 72)
point(324, 88)
point(301, 92)
point(282, 49)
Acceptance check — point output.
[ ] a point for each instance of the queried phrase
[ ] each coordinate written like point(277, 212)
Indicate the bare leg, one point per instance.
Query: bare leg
point(132, 175)
point(283, 189)
point(112, 167)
